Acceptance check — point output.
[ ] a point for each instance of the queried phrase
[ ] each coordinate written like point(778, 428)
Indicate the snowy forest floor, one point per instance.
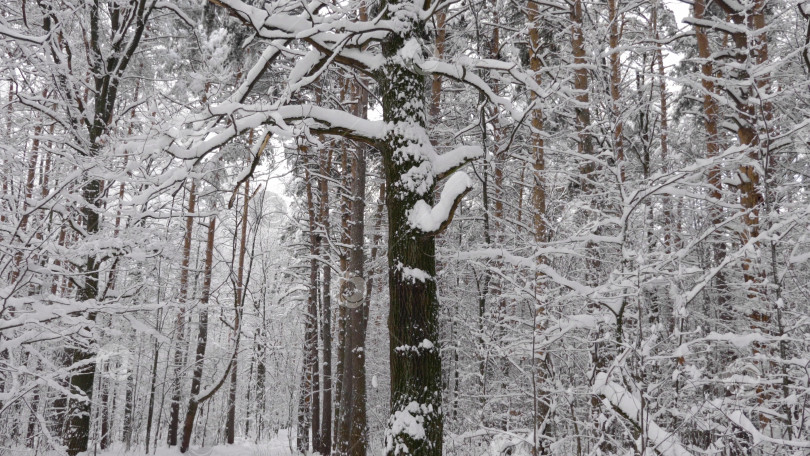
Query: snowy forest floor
point(278, 446)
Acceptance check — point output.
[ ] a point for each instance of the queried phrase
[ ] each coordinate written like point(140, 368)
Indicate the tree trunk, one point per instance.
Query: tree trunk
point(323, 443)
point(352, 439)
point(180, 324)
point(105, 404)
point(129, 404)
point(710, 123)
point(541, 403)
point(230, 423)
point(581, 83)
point(413, 320)
point(307, 398)
point(202, 341)
point(152, 388)
point(82, 380)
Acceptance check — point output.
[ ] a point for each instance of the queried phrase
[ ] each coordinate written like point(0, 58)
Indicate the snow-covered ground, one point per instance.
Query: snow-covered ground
point(278, 446)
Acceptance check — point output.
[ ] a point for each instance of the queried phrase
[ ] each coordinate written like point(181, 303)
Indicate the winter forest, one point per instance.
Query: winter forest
point(405, 227)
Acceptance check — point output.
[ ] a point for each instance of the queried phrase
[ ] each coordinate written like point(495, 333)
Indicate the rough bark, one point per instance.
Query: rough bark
point(413, 320)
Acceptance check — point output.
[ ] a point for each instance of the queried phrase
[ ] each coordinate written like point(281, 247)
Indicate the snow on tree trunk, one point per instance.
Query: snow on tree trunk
point(415, 426)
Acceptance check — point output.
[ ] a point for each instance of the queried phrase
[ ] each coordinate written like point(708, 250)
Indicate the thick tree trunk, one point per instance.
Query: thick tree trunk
point(105, 95)
point(413, 320)
point(345, 215)
point(710, 124)
point(78, 427)
point(752, 49)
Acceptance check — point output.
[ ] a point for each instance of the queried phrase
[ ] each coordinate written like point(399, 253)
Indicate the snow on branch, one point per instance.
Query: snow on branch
point(738, 417)
point(344, 39)
point(433, 220)
point(465, 71)
point(446, 163)
point(316, 118)
point(5, 31)
point(628, 405)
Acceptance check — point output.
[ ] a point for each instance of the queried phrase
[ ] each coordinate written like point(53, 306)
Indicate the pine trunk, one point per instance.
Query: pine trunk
point(180, 324)
point(202, 341)
point(230, 423)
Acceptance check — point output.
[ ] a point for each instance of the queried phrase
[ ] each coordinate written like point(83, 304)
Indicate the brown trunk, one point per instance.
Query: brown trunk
point(581, 83)
point(540, 399)
point(752, 52)
point(345, 215)
point(615, 87)
point(230, 423)
point(351, 421)
point(748, 135)
point(352, 439)
point(180, 323)
point(710, 122)
point(202, 340)
point(436, 82)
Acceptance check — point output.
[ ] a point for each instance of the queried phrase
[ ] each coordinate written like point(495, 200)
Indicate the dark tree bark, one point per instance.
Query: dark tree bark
point(202, 341)
point(581, 85)
point(413, 321)
point(152, 389)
